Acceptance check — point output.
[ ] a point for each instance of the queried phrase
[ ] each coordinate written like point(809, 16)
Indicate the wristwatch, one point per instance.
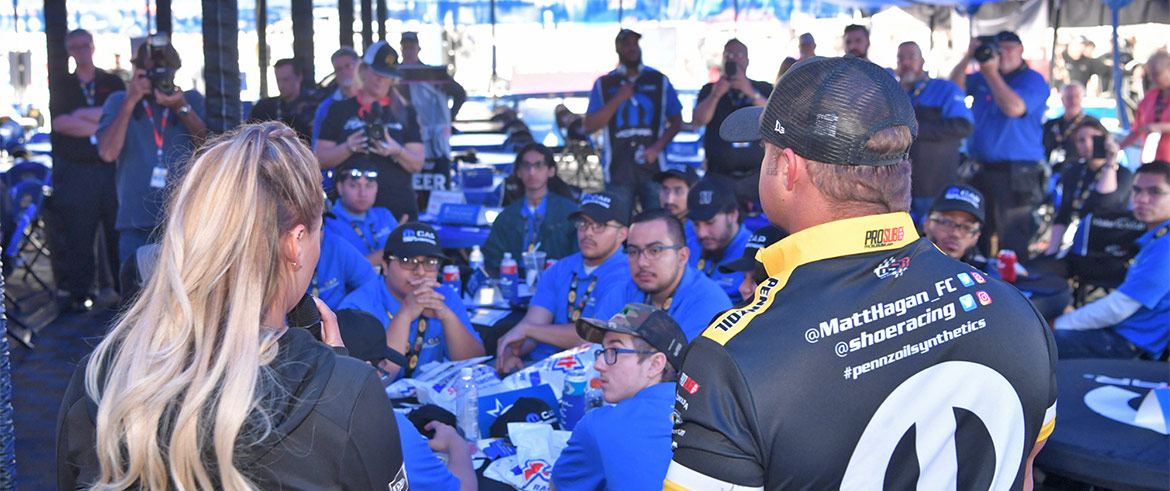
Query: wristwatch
point(186, 109)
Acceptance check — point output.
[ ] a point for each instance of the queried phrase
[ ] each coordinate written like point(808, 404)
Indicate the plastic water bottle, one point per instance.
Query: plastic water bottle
point(593, 395)
point(573, 399)
point(509, 277)
point(467, 405)
point(475, 259)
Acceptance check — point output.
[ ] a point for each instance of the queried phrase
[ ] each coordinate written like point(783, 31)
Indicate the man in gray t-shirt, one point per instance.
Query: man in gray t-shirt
point(149, 132)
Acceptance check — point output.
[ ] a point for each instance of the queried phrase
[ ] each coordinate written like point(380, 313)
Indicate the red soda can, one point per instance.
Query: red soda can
point(549, 262)
point(451, 274)
point(1007, 265)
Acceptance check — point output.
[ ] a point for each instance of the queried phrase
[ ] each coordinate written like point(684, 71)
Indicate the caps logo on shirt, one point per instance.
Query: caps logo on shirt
point(884, 236)
point(419, 236)
point(705, 197)
point(688, 384)
point(596, 199)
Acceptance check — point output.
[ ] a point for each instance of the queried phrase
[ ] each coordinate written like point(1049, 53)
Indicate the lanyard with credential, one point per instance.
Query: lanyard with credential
point(918, 88)
point(703, 265)
point(87, 90)
point(371, 244)
point(665, 305)
point(416, 347)
point(158, 135)
point(576, 307)
point(1085, 186)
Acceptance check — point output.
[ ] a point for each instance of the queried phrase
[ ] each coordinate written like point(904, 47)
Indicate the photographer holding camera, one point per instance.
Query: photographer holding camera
point(148, 130)
point(376, 125)
point(1007, 142)
point(738, 161)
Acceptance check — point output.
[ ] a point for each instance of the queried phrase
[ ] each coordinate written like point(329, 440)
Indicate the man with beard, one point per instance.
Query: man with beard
point(661, 278)
point(569, 289)
point(954, 223)
point(719, 236)
point(857, 41)
point(943, 122)
point(641, 113)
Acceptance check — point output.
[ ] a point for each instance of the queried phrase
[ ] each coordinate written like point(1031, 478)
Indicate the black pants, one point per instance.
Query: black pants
point(1013, 190)
point(84, 197)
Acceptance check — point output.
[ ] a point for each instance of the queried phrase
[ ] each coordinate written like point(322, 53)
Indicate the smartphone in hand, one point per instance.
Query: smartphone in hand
point(306, 316)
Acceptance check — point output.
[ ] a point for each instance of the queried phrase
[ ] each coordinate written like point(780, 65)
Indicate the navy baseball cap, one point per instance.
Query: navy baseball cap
point(382, 59)
point(1008, 36)
point(685, 172)
point(625, 33)
point(409, 36)
point(709, 197)
point(761, 238)
point(414, 239)
point(826, 110)
point(653, 325)
point(961, 198)
point(365, 337)
point(603, 207)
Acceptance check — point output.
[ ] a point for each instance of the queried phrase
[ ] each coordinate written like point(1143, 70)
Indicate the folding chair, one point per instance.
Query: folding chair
point(579, 147)
point(28, 242)
point(1101, 252)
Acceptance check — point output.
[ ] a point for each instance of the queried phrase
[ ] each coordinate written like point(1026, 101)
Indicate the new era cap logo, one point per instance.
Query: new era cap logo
point(705, 197)
point(779, 127)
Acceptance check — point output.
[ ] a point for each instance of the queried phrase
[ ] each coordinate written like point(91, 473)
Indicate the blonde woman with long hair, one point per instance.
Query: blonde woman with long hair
point(201, 384)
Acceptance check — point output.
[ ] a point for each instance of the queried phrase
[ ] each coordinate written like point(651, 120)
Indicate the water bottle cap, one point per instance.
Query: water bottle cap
point(507, 255)
point(595, 383)
point(466, 372)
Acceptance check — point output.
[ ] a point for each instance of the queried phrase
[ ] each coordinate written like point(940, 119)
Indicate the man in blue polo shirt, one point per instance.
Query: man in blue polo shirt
point(569, 289)
point(753, 271)
point(660, 277)
point(423, 319)
point(943, 122)
point(627, 445)
point(340, 270)
point(1134, 320)
point(674, 184)
point(719, 235)
point(355, 218)
point(1008, 140)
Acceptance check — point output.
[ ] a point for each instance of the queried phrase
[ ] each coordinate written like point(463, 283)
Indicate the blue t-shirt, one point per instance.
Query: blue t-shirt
point(689, 230)
point(141, 189)
point(695, 303)
point(943, 94)
point(729, 282)
point(340, 270)
point(1148, 282)
point(552, 290)
point(368, 234)
point(998, 138)
point(423, 467)
point(624, 446)
point(373, 297)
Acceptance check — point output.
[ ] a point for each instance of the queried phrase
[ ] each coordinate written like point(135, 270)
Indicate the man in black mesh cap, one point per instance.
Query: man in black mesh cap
point(867, 358)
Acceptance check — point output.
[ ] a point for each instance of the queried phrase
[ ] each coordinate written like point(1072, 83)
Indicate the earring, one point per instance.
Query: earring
point(294, 265)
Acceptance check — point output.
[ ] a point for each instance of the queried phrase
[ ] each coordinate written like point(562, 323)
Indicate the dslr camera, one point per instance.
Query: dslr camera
point(988, 46)
point(374, 129)
point(162, 76)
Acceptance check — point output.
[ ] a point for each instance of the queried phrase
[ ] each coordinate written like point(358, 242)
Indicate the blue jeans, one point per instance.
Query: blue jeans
point(645, 192)
point(1094, 343)
point(129, 240)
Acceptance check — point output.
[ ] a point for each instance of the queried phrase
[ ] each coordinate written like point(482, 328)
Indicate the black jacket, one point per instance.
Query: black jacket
point(333, 429)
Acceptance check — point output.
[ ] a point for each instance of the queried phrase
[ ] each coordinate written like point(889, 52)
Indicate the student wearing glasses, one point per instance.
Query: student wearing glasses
point(626, 445)
point(569, 289)
point(355, 218)
point(541, 218)
point(657, 253)
point(954, 223)
point(424, 319)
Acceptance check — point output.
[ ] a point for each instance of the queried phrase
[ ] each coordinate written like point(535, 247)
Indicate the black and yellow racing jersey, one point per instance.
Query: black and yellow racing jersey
point(868, 360)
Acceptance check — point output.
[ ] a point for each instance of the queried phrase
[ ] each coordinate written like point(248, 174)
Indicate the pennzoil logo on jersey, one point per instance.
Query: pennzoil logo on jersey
point(762, 294)
point(892, 267)
point(884, 236)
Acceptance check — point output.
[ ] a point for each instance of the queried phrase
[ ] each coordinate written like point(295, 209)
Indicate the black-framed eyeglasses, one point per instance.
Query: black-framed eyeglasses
point(653, 251)
point(412, 263)
point(597, 228)
point(967, 230)
point(358, 173)
point(611, 354)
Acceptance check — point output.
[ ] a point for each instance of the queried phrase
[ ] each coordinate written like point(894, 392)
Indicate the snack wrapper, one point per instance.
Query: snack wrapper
point(538, 447)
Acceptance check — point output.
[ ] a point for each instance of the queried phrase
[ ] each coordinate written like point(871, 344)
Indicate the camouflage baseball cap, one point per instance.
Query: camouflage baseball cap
point(655, 326)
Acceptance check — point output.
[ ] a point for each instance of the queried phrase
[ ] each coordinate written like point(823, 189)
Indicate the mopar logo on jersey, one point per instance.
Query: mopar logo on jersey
point(884, 236)
point(761, 299)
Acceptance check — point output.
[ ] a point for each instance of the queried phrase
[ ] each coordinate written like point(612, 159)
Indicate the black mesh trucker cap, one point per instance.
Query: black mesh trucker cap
point(826, 109)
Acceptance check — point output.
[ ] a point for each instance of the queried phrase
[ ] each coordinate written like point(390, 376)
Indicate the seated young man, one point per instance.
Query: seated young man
point(657, 253)
point(719, 235)
point(540, 218)
point(355, 218)
point(569, 289)
point(1131, 321)
point(424, 319)
point(674, 184)
point(954, 223)
point(366, 341)
point(753, 271)
point(627, 445)
point(341, 269)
